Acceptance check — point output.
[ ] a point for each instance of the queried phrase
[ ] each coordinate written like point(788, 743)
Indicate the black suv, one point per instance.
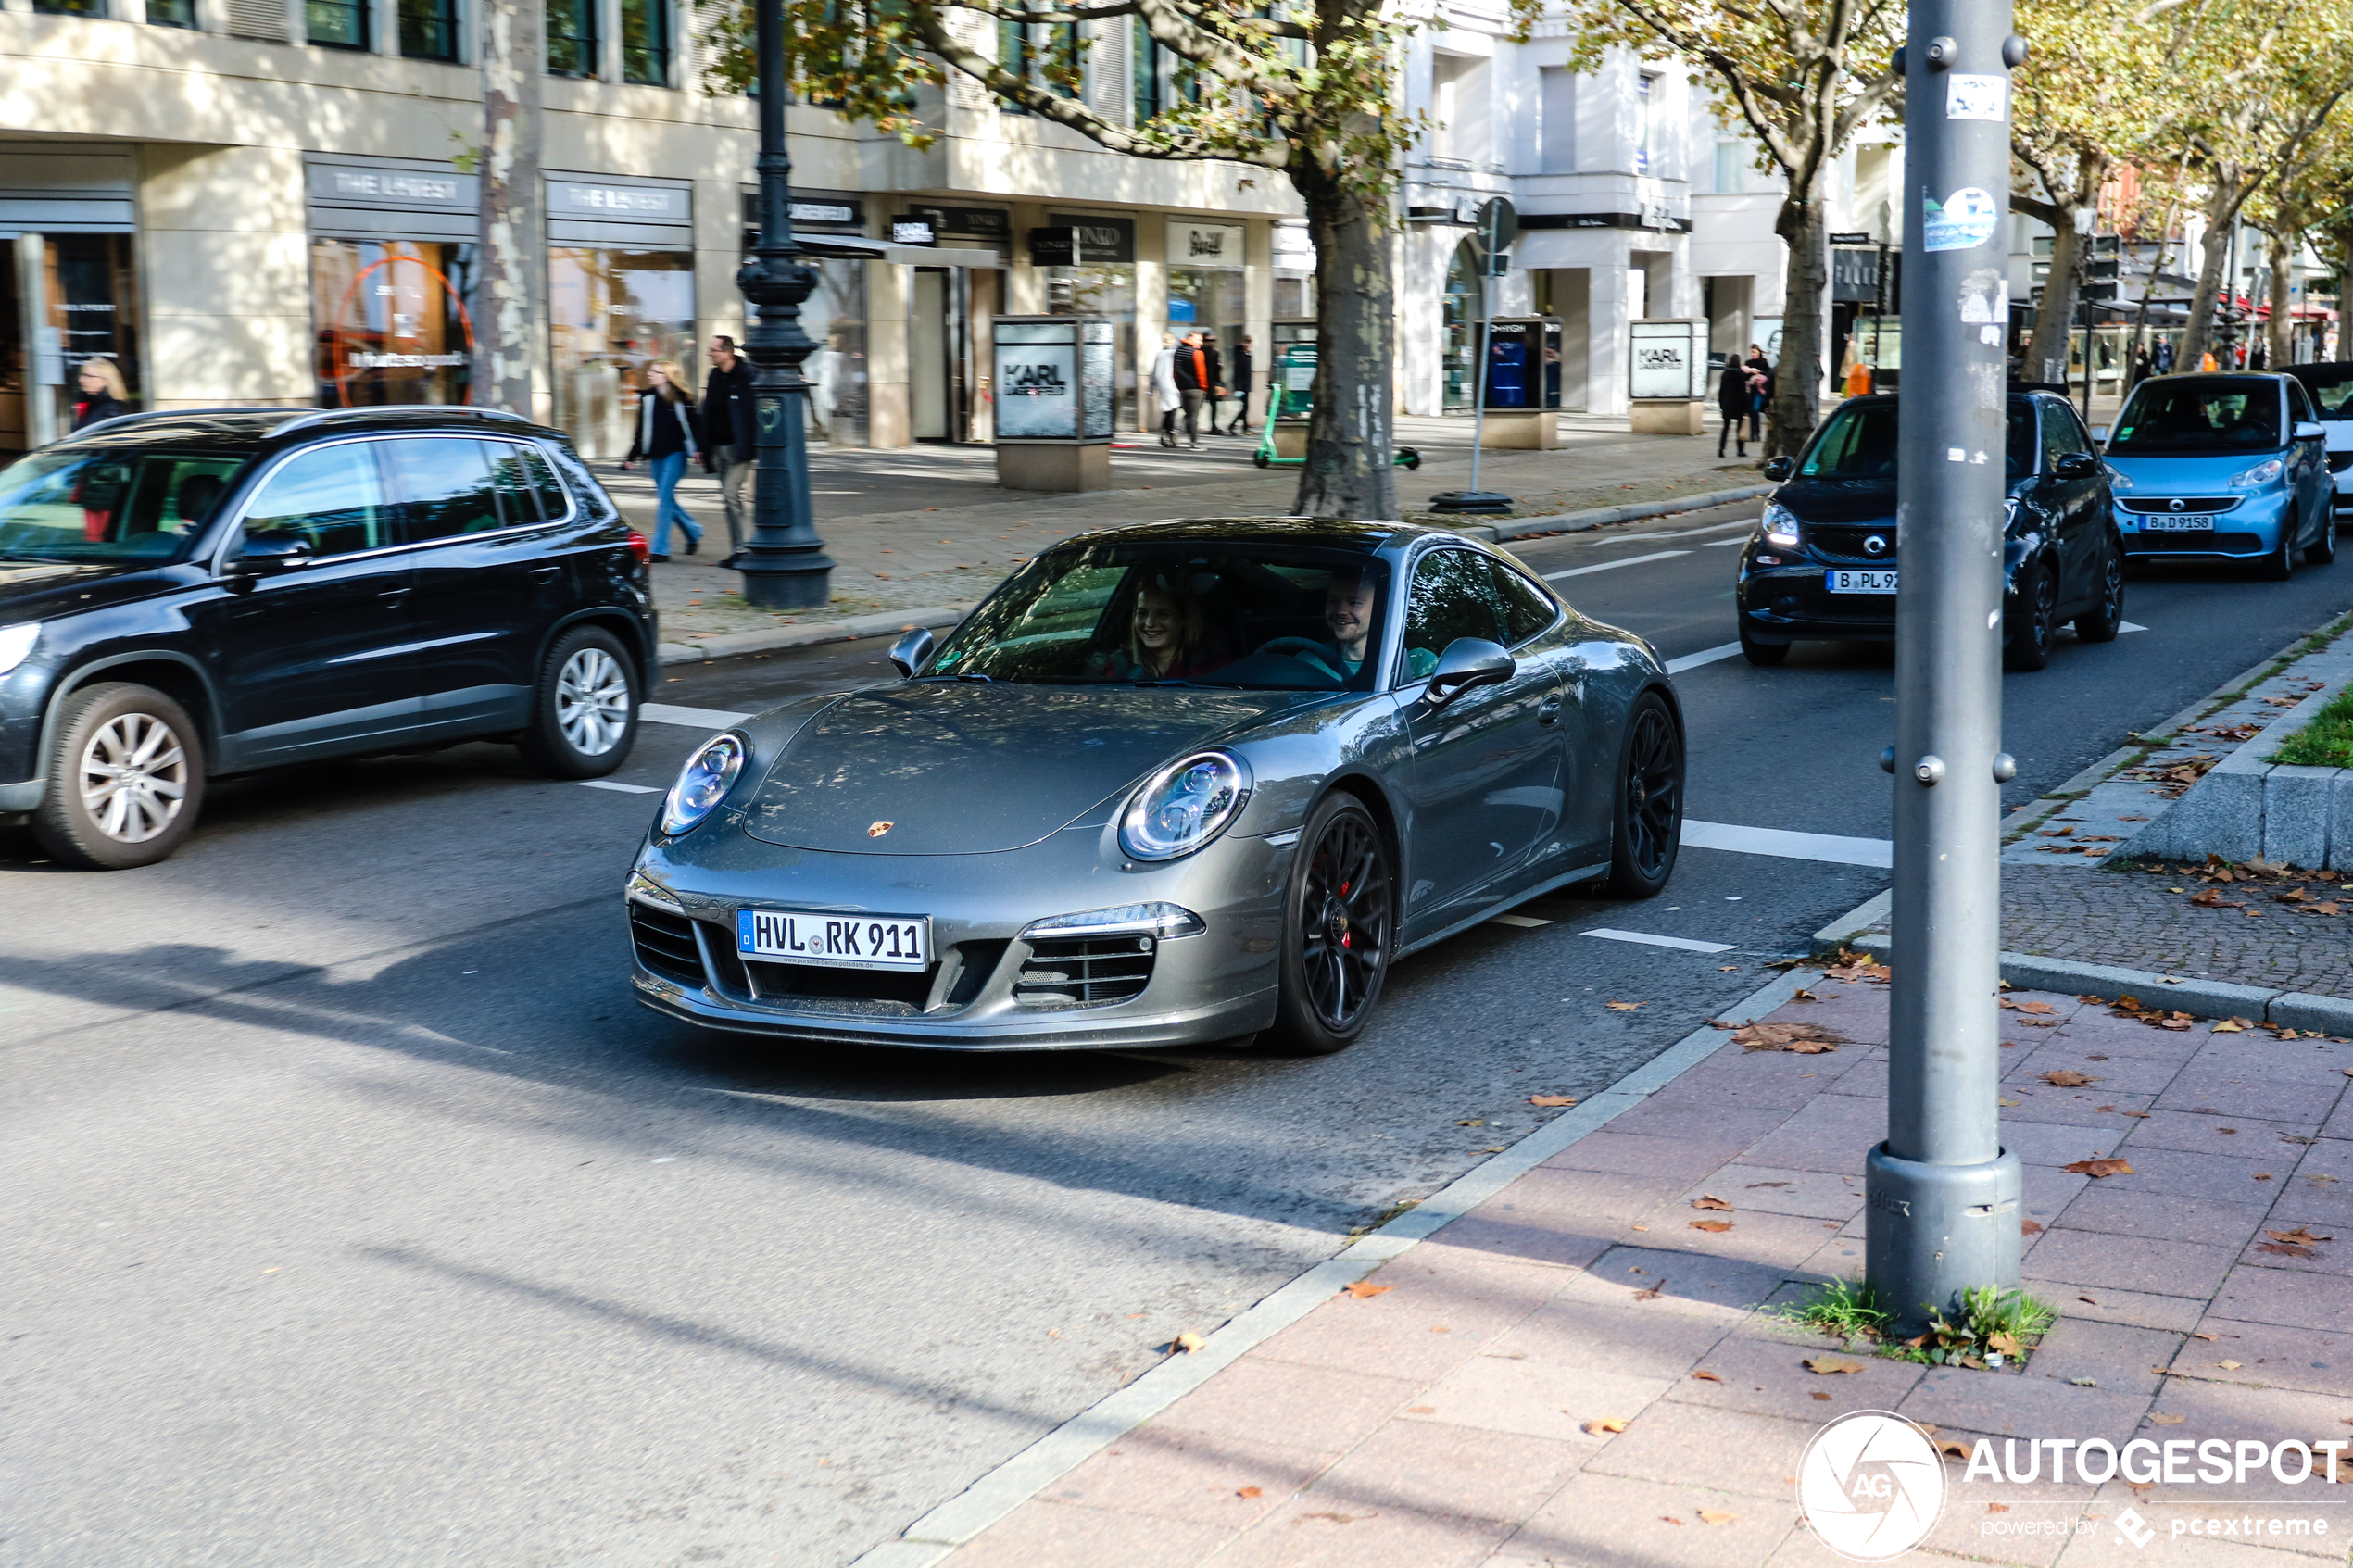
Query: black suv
point(1822, 562)
point(187, 595)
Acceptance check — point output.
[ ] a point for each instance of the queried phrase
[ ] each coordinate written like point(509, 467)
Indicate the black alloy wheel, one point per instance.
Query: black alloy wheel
point(1649, 827)
point(2035, 627)
point(2106, 617)
point(1766, 654)
point(2323, 550)
point(2280, 565)
point(1338, 916)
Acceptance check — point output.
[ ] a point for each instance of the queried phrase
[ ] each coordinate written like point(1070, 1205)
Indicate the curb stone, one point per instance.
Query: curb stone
point(728, 644)
point(1016, 1480)
point(1579, 522)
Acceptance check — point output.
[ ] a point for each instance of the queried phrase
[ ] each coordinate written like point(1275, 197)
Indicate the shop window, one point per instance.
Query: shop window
point(336, 24)
point(1465, 304)
point(90, 292)
point(645, 42)
point(572, 43)
point(428, 29)
point(70, 7)
point(389, 321)
point(171, 13)
point(610, 313)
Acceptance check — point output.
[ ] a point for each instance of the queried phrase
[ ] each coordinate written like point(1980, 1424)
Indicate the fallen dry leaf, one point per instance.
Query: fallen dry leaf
point(1769, 1184)
point(1802, 1039)
point(1421, 1410)
point(2029, 1227)
point(2285, 1250)
point(1652, 1294)
point(1824, 1398)
point(1248, 1492)
point(2101, 1168)
point(1363, 1288)
point(1604, 1425)
point(1470, 1123)
point(2035, 1007)
point(2163, 1418)
point(1718, 1226)
point(1830, 1366)
point(1716, 1516)
point(1802, 995)
point(2067, 1078)
point(1997, 1508)
point(1709, 1200)
point(1551, 1099)
point(1622, 1007)
point(1951, 1448)
point(2302, 1235)
point(1706, 1376)
point(2230, 1366)
point(1188, 1340)
point(1671, 1519)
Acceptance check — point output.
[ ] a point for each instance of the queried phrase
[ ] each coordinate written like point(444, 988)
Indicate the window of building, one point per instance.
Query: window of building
point(611, 313)
point(1731, 169)
point(428, 29)
point(1557, 122)
point(572, 43)
point(1016, 52)
point(645, 42)
point(171, 13)
point(1645, 123)
point(70, 7)
point(336, 24)
point(389, 321)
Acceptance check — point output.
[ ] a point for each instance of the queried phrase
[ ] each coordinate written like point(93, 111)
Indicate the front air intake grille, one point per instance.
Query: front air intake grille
point(2189, 503)
point(1084, 972)
point(665, 944)
point(1842, 542)
point(878, 993)
point(2192, 543)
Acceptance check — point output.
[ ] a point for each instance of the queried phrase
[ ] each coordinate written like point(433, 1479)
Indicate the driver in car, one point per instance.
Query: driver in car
point(1349, 599)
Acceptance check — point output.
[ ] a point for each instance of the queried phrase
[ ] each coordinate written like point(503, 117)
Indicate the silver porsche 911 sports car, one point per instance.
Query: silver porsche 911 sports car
point(1171, 784)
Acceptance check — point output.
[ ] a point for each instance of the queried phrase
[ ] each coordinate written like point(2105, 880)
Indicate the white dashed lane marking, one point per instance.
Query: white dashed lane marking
point(1705, 656)
point(617, 786)
point(1614, 565)
point(1878, 852)
point(1685, 943)
point(694, 718)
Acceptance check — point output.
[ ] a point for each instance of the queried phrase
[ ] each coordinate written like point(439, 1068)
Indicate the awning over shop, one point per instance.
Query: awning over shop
point(848, 248)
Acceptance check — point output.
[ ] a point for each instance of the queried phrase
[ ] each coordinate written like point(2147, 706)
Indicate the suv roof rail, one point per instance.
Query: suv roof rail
point(168, 414)
point(321, 416)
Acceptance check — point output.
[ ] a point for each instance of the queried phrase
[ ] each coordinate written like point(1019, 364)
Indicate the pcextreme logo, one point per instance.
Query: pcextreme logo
point(1871, 1486)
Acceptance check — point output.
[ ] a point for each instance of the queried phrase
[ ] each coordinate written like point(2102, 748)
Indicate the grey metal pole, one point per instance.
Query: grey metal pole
point(1478, 375)
point(1942, 1195)
point(783, 563)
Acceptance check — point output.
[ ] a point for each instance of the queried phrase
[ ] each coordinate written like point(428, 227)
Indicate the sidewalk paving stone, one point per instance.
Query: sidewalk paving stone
point(1765, 1374)
point(1537, 1399)
point(1191, 1476)
point(2022, 1404)
point(1615, 1522)
point(2291, 1300)
point(2202, 1090)
point(2174, 1314)
point(1440, 1306)
point(2128, 1262)
point(2162, 1216)
point(1635, 1340)
point(1313, 1532)
point(2199, 1133)
point(1684, 1159)
point(2273, 1356)
point(1780, 1189)
point(1045, 1531)
point(1292, 1406)
point(1723, 1289)
point(2196, 1175)
point(2113, 1355)
point(1438, 1468)
point(1737, 1451)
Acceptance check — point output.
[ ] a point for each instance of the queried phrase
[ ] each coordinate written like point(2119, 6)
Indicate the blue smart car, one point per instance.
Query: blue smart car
point(2222, 467)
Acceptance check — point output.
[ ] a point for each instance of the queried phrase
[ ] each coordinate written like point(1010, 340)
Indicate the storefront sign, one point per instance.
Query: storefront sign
point(1652, 218)
point(1204, 244)
point(966, 222)
point(829, 215)
point(1053, 377)
point(912, 232)
point(379, 199)
point(377, 186)
point(1670, 359)
point(1054, 247)
point(630, 204)
point(1100, 239)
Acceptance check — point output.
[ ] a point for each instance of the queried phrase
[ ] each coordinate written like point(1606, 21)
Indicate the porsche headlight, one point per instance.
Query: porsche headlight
point(1780, 525)
point(16, 642)
point(1184, 806)
point(2261, 473)
point(702, 783)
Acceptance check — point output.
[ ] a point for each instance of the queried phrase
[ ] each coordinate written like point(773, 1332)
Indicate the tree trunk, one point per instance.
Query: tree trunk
point(1797, 378)
point(1349, 431)
point(2221, 208)
point(2055, 318)
point(2282, 331)
point(504, 312)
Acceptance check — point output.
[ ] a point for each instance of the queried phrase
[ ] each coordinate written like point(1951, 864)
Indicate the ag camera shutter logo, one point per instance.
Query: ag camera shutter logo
point(1871, 1486)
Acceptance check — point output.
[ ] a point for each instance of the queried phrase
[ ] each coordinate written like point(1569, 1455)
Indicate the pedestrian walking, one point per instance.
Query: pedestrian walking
point(1760, 382)
point(1165, 387)
point(2163, 357)
point(104, 395)
point(669, 433)
point(728, 429)
point(1198, 383)
point(1243, 379)
point(1732, 398)
point(2141, 367)
point(2258, 357)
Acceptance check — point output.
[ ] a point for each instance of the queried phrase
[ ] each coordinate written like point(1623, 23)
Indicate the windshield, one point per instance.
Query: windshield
point(2184, 418)
point(109, 505)
point(1859, 443)
point(1254, 615)
point(2331, 390)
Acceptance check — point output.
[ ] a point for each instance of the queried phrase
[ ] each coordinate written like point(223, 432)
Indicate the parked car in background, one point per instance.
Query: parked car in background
point(188, 595)
point(2222, 467)
point(1167, 784)
point(2330, 388)
point(1822, 563)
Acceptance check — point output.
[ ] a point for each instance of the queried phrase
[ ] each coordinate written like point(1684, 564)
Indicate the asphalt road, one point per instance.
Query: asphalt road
point(359, 1216)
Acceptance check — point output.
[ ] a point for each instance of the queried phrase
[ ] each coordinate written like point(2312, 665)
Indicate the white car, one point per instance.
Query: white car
point(2331, 389)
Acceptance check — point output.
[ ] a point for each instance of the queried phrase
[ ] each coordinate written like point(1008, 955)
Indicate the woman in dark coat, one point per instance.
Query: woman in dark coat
point(1733, 397)
point(103, 393)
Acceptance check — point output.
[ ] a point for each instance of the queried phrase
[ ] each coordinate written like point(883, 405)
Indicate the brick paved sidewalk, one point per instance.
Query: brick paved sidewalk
point(1443, 1418)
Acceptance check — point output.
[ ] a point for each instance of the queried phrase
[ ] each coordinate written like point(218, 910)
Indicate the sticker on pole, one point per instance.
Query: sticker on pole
point(1871, 1485)
point(1977, 98)
point(1966, 220)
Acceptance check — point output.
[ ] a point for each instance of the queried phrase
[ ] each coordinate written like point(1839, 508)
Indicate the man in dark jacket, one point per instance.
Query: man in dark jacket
point(1733, 397)
point(1242, 368)
point(1198, 379)
point(727, 425)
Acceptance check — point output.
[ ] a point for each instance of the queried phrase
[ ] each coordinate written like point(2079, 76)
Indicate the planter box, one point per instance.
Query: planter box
point(2246, 808)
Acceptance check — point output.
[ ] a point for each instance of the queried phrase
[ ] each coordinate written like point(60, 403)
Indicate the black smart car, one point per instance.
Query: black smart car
point(1821, 565)
point(189, 595)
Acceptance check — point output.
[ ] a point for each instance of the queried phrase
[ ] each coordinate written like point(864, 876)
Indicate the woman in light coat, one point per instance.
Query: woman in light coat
point(1165, 387)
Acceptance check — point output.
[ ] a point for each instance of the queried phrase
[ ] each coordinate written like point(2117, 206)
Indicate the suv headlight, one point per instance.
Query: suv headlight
point(1780, 525)
point(2263, 472)
point(702, 783)
point(1184, 806)
point(15, 643)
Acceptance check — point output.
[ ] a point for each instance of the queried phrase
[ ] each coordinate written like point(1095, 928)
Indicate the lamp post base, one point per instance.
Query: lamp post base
point(785, 581)
point(1932, 1231)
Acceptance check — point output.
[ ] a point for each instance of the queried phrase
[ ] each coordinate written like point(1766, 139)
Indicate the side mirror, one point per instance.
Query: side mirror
point(2099, 433)
point(909, 651)
point(1779, 469)
point(2076, 465)
point(2310, 430)
point(266, 555)
point(1467, 662)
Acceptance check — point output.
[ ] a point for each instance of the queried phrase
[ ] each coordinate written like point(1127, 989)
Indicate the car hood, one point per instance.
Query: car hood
point(34, 590)
point(964, 768)
point(1851, 500)
point(2201, 475)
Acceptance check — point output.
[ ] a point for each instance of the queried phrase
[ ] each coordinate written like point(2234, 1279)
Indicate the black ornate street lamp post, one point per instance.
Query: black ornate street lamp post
point(784, 565)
